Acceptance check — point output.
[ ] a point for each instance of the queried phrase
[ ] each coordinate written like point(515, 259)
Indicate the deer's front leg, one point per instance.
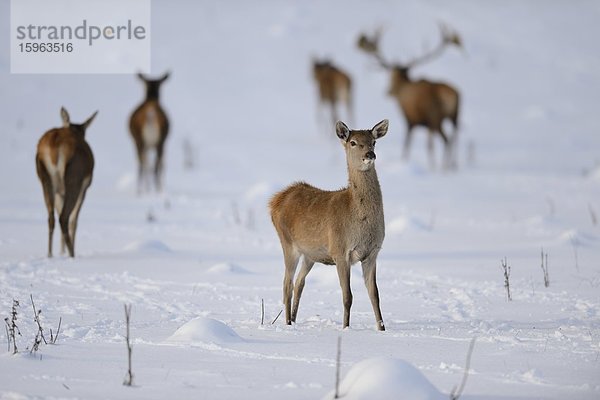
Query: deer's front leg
point(343, 270)
point(369, 267)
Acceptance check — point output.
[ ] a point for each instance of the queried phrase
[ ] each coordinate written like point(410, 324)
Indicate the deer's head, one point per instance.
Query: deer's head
point(153, 85)
point(400, 72)
point(360, 144)
point(78, 129)
point(399, 76)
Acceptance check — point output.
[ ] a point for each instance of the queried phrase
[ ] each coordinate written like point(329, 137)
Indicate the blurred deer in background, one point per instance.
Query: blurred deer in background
point(334, 86)
point(423, 102)
point(65, 163)
point(369, 44)
point(149, 127)
point(338, 227)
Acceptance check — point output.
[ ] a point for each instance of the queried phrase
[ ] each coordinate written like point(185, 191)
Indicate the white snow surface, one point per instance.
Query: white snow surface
point(196, 261)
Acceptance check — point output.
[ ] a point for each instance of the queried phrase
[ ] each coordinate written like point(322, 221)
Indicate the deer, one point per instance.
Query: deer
point(338, 228)
point(149, 128)
point(422, 102)
point(334, 86)
point(65, 165)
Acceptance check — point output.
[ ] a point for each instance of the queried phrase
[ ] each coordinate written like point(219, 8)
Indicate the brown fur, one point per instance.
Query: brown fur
point(334, 227)
point(65, 164)
point(334, 86)
point(428, 104)
point(149, 128)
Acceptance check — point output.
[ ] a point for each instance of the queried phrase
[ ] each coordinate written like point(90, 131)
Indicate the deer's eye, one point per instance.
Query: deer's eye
point(352, 143)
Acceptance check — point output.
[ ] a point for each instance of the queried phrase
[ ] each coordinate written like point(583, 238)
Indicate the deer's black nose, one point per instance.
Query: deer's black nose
point(370, 155)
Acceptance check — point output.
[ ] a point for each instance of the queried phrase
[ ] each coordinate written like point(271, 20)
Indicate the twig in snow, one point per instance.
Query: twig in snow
point(506, 268)
point(129, 377)
point(575, 245)
point(12, 328)
point(262, 311)
point(280, 311)
point(337, 367)
point(593, 215)
point(39, 336)
point(54, 338)
point(455, 395)
point(545, 268)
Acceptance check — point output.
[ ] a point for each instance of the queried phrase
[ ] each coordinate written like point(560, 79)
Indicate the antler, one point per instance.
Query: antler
point(370, 45)
point(448, 36)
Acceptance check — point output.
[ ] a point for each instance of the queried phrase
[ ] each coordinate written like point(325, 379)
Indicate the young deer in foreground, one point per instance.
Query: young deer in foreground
point(334, 227)
point(149, 127)
point(334, 86)
point(65, 163)
point(423, 103)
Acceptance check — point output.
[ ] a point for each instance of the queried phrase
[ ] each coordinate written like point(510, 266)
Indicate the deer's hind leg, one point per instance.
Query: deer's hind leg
point(48, 199)
point(74, 216)
point(141, 156)
point(158, 166)
point(299, 285)
point(290, 257)
point(407, 142)
point(447, 161)
point(75, 188)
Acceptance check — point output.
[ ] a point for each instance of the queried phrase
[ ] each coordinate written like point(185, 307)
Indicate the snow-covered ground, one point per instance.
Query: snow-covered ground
point(195, 272)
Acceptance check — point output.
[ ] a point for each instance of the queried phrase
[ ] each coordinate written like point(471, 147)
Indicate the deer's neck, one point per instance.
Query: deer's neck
point(152, 95)
point(365, 191)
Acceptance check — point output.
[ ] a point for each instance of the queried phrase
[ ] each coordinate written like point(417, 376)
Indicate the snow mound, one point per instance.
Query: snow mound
point(227, 268)
point(386, 378)
point(204, 330)
point(147, 246)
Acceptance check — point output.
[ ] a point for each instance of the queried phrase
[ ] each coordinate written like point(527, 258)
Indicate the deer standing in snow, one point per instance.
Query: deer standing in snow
point(423, 102)
point(334, 86)
point(338, 227)
point(149, 127)
point(65, 163)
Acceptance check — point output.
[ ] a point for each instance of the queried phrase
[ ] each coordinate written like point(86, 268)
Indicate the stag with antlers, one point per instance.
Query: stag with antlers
point(423, 102)
point(334, 86)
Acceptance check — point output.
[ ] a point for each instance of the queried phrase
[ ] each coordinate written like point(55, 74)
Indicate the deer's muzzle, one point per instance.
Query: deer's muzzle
point(370, 155)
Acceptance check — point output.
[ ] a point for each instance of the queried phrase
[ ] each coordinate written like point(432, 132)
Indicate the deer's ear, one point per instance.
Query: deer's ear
point(342, 130)
point(165, 76)
point(64, 115)
point(380, 129)
point(89, 120)
point(141, 77)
